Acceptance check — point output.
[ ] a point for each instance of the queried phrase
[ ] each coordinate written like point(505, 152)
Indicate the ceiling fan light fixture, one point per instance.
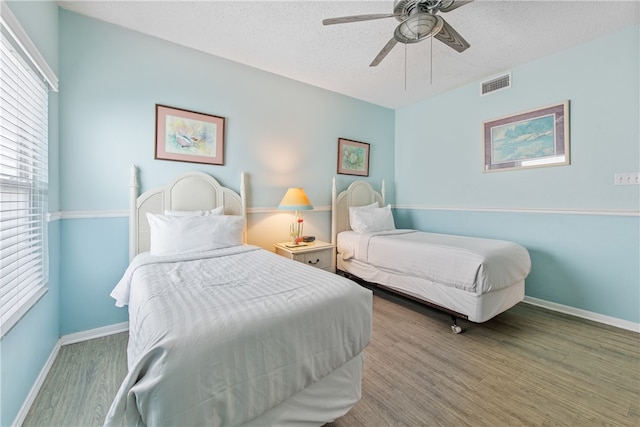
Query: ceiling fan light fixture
point(418, 21)
point(418, 27)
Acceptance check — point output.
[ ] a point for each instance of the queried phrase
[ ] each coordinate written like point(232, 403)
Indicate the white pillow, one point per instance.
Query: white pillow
point(371, 220)
point(170, 235)
point(353, 209)
point(217, 211)
point(371, 206)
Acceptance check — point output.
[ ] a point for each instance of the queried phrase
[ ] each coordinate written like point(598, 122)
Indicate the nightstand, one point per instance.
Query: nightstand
point(316, 254)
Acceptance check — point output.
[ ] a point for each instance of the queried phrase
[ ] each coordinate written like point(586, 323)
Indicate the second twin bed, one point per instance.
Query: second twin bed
point(471, 278)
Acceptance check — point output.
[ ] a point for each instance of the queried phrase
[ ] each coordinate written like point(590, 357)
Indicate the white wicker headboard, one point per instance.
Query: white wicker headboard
point(359, 193)
point(190, 191)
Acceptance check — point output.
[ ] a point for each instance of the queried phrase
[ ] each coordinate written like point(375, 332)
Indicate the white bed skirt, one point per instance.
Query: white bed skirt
point(478, 308)
point(338, 392)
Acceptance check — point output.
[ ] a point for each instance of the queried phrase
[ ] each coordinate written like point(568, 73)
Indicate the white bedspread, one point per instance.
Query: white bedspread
point(218, 340)
point(468, 263)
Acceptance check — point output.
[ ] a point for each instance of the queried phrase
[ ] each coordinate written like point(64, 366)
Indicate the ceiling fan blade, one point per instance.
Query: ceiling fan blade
point(451, 37)
point(453, 4)
point(355, 18)
point(384, 52)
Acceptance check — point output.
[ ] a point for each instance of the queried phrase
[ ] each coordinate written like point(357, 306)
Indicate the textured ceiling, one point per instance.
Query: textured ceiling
point(288, 38)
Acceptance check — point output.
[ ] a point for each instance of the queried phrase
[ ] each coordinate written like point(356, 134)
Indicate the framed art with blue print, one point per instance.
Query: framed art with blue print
point(534, 138)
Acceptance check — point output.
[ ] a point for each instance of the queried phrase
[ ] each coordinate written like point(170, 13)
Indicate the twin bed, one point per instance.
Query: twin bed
point(222, 333)
point(230, 334)
point(470, 278)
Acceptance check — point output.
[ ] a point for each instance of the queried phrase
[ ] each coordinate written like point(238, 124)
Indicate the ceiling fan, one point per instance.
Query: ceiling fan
point(418, 21)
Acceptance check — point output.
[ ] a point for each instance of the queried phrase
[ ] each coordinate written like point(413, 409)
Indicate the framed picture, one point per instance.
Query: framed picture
point(187, 136)
point(534, 138)
point(353, 157)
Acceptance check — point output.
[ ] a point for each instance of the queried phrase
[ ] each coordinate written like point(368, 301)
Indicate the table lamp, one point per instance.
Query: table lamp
point(296, 200)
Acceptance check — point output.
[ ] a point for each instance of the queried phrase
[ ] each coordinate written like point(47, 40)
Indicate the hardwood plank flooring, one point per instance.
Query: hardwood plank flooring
point(526, 367)
point(81, 384)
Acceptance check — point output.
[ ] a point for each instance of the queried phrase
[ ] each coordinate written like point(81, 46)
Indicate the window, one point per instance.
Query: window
point(23, 175)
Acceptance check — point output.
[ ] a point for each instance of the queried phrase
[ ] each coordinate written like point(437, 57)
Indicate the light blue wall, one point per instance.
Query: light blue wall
point(95, 255)
point(589, 262)
point(281, 132)
point(25, 349)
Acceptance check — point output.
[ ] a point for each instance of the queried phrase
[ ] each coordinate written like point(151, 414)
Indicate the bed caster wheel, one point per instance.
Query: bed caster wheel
point(456, 329)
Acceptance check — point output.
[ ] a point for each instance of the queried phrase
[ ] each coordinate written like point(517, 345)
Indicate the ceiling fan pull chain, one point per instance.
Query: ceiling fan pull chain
point(431, 62)
point(405, 67)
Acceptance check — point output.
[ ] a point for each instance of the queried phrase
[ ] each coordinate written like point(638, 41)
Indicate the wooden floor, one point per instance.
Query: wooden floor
point(81, 384)
point(526, 367)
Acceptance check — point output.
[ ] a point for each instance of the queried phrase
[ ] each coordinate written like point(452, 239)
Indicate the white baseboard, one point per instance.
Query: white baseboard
point(584, 314)
point(65, 340)
point(31, 397)
point(94, 333)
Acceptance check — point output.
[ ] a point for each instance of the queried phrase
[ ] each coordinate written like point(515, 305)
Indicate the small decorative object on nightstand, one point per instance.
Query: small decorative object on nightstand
point(316, 254)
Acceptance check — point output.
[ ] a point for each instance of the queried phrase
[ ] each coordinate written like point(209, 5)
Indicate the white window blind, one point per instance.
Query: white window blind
point(23, 184)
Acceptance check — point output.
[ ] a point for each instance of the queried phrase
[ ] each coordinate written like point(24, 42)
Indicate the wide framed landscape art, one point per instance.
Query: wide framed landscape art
point(188, 136)
point(533, 138)
point(353, 157)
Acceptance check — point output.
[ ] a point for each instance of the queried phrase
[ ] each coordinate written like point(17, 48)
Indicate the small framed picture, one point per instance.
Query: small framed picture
point(353, 157)
point(530, 139)
point(187, 136)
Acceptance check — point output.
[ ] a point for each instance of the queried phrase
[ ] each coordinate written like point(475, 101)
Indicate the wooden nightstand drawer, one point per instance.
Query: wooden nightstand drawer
point(318, 259)
point(317, 254)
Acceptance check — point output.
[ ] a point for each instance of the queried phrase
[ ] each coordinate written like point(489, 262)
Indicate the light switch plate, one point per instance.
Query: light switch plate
point(627, 178)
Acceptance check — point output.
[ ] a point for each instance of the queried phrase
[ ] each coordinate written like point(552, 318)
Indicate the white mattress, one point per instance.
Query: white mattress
point(225, 338)
point(470, 264)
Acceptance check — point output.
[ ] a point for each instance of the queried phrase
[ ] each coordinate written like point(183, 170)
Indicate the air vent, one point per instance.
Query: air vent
point(498, 83)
